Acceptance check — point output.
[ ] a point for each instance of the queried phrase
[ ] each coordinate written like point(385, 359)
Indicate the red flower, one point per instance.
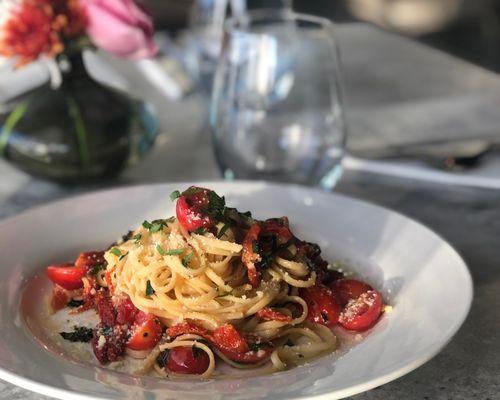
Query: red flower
point(40, 27)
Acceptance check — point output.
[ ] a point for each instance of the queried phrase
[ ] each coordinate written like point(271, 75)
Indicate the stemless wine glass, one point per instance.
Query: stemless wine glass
point(276, 105)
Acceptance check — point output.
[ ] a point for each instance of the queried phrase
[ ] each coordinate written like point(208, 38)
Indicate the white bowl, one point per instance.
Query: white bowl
point(420, 275)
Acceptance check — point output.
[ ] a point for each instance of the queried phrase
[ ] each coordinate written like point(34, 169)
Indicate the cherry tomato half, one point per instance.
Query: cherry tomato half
point(187, 360)
point(349, 289)
point(190, 212)
point(362, 313)
point(145, 333)
point(67, 275)
point(323, 305)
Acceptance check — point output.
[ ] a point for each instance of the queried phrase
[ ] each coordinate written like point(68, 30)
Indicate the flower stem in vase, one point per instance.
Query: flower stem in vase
point(10, 123)
point(81, 132)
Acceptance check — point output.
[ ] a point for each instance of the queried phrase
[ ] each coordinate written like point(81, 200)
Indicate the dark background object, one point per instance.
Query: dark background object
point(468, 29)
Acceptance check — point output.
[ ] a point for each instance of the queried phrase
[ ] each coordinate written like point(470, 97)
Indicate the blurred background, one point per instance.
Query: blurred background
point(469, 29)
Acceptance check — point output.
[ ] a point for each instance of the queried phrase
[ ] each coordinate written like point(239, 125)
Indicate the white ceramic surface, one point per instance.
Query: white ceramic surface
point(423, 278)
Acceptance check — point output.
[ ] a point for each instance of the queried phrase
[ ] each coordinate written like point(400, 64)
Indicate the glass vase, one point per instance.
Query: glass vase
point(80, 131)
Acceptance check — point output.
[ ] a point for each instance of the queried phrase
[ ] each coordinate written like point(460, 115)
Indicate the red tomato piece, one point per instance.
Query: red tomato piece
point(66, 275)
point(60, 298)
point(126, 312)
point(186, 327)
point(268, 314)
point(322, 304)
point(145, 333)
point(105, 308)
point(191, 209)
point(249, 357)
point(112, 347)
point(227, 337)
point(362, 313)
point(90, 259)
point(349, 289)
point(250, 255)
point(187, 360)
point(278, 227)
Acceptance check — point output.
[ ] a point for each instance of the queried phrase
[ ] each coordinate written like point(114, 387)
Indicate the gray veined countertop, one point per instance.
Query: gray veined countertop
point(468, 217)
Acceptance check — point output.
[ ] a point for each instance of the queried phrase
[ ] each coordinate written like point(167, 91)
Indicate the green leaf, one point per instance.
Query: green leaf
point(123, 256)
point(154, 226)
point(175, 195)
point(75, 303)
point(175, 252)
point(172, 252)
point(223, 229)
point(162, 358)
point(199, 231)
point(197, 352)
point(191, 190)
point(161, 250)
point(255, 346)
point(137, 238)
point(96, 269)
point(116, 251)
point(127, 236)
point(79, 334)
point(217, 203)
point(149, 289)
point(186, 260)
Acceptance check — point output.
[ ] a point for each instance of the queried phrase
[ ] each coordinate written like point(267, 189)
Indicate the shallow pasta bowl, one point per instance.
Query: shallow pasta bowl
point(397, 255)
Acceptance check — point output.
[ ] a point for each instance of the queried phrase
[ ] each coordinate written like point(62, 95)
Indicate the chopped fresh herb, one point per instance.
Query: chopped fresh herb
point(172, 252)
point(123, 256)
point(149, 289)
point(96, 269)
point(162, 358)
point(191, 190)
point(127, 236)
point(75, 303)
point(175, 195)
point(107, 330)
point(223, 229)
point(171, 219)
point(157, 226)
point(197, 352)
point(217, 203)
point(154, 226)
point(137, 238)
point(200, 231)
point(186, 260)
point(324, 316)
point(116, 251)
point(79, 334)
point(255, 346)
point(161, 250)
point(175, 252)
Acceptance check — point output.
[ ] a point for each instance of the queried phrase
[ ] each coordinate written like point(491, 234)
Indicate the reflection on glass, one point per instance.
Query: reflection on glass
point(276, 108)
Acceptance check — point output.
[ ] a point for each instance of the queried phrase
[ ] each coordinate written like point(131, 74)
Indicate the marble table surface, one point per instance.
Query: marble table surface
point(468, 217)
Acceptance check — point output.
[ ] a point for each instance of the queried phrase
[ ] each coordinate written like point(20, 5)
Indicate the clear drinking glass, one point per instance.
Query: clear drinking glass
point(276, 105)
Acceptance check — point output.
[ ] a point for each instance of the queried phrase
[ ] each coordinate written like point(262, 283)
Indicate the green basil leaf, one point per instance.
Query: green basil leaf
point(149, 289)
point(186, 260)
point(116, 251)
point(175, 195)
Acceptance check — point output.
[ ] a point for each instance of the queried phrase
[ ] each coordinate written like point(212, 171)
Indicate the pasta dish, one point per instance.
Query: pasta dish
point(211, 286)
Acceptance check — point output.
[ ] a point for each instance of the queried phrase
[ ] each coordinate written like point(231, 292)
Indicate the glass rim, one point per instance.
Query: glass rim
point(284, 15)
